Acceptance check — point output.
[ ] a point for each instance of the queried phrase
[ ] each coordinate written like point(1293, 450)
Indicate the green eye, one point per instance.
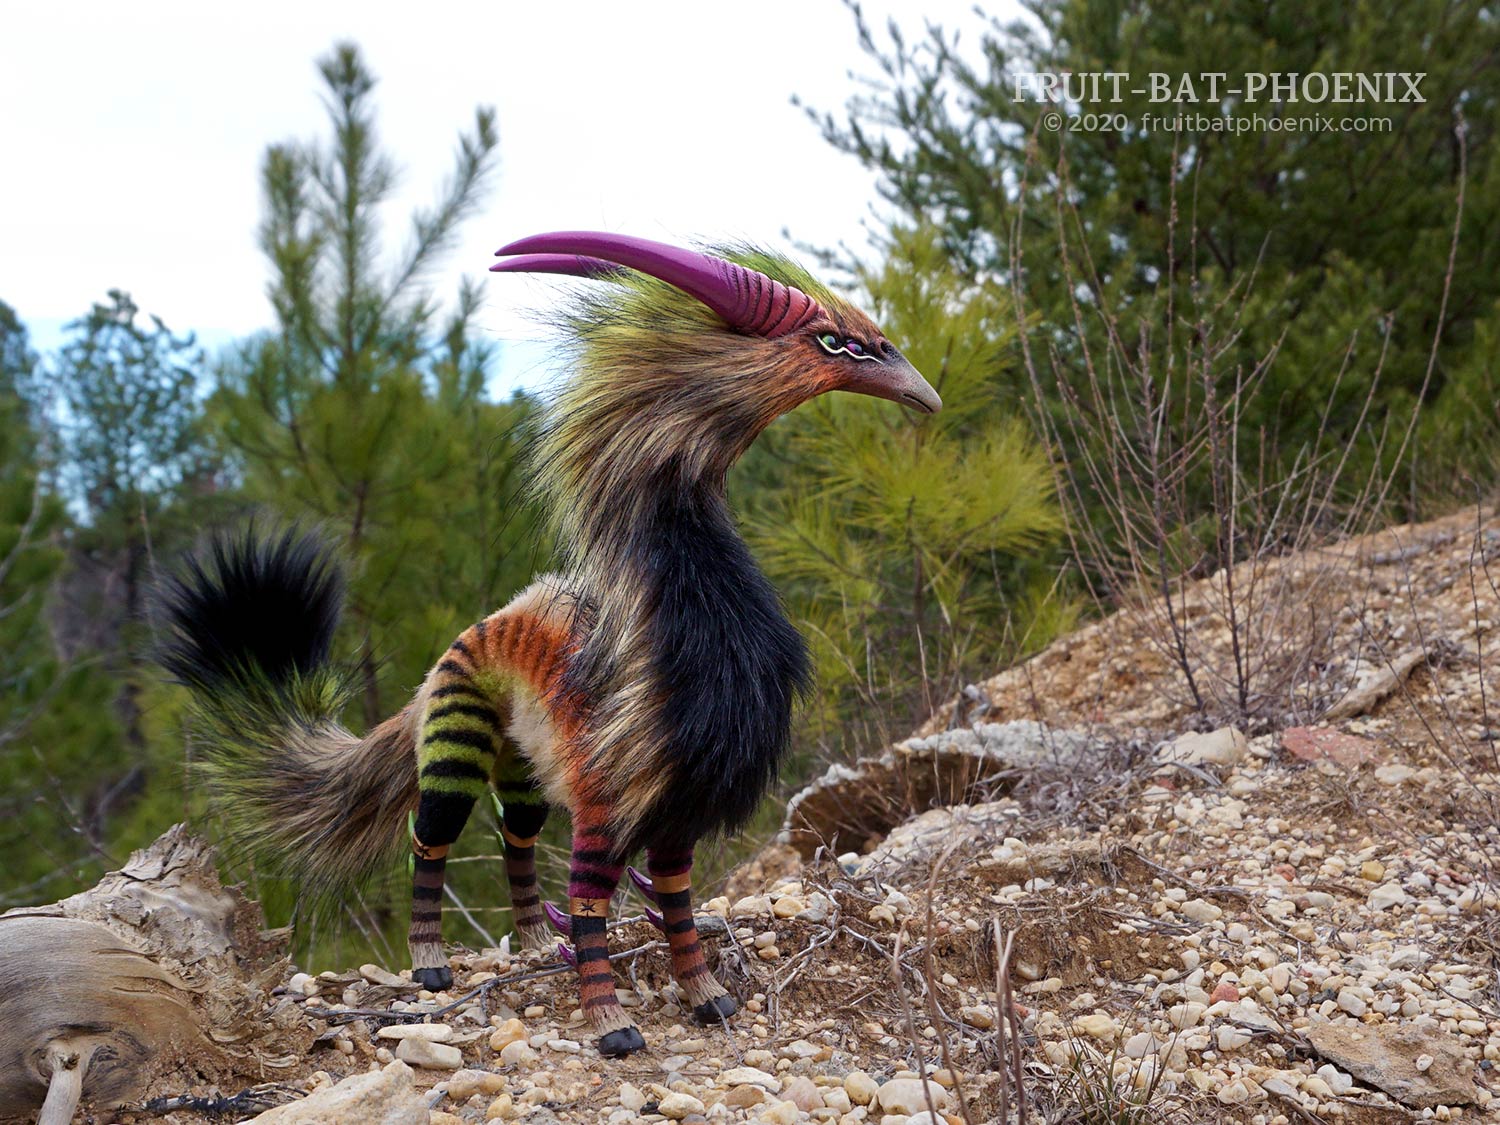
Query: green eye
point(829, 341)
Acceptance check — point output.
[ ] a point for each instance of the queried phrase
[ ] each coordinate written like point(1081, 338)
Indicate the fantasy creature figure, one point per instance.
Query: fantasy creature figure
point(647, 688)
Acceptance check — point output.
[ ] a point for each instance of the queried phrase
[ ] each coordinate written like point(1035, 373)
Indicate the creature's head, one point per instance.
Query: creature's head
point(758, 338)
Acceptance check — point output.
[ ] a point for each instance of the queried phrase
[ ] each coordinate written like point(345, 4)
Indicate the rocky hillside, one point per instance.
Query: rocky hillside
point(1070, 892)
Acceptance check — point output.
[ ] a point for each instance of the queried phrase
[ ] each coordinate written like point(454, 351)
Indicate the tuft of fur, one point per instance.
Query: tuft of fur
point(251, 626)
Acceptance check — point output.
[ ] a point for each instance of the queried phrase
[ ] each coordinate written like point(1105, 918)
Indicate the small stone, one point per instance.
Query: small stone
point(769, 953)
point(466, 1083)
point(1198, 910)
point(742, 1097)
point(519, 1053)
point(442, 1117)
point(1097, 1025)
point(979, 1016)
point(376, 975)
point(1339, 1083)
point(906, 1095)
point(303, 985)
point(802, 1093)
point(1352, 1002)
point(782, 1113)
point(1232, 1038)
point(788, 906)
point(1224, 992)
point(631, 1097)
point(860, 1087)
point(1372, 871)
point(742, 1075)
point(1386, 896)
point(676, 1106)
point(511, 1031)
point(500, 1109)
point(1186, 1015)
point(386, 1095)
point(429, 1055)
point(1223, 747)
point(750, 906)
point(432, 1032)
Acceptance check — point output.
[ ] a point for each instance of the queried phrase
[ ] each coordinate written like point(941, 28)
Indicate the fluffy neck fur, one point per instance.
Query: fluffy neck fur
point(688, 663)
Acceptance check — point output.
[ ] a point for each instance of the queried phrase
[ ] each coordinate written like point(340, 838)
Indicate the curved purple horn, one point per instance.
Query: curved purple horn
point(573, 265)
point(749, 300)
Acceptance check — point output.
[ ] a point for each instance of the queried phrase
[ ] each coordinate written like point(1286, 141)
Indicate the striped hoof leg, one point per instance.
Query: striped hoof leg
point(433, 980)
point(617, 1044)
point(719, 1008)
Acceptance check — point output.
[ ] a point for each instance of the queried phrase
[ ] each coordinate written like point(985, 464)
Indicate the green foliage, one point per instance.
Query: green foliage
point(54, 788)
point(1328, 232)
point(362, 413)
point(908, 547)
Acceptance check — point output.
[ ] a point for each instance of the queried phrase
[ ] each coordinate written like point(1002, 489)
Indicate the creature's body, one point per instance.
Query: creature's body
point(648, 689)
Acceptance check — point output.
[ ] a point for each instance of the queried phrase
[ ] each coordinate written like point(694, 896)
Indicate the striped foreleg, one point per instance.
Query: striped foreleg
point(455, 755)
point(593, 876)
point(671, 883)
point(523, 814)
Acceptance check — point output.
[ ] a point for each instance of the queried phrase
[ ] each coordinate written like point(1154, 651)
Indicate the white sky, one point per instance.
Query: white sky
point(132, 135)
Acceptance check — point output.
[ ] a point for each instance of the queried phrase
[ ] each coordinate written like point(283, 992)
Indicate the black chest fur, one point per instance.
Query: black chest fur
point(729, 666)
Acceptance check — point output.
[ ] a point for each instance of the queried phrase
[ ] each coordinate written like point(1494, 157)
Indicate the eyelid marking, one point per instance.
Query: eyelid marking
point(843, 348)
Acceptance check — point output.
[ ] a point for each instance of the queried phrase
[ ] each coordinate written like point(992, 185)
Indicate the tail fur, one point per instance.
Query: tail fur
point(251, 625)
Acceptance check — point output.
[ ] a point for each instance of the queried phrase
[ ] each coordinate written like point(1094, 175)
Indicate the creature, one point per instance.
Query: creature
point(648, 688)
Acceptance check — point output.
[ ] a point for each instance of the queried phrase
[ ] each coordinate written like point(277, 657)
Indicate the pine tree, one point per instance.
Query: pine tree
point(365, 414)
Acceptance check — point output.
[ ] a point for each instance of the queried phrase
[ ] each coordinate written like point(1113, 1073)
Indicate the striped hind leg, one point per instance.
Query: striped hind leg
point(671, 882)
point(455, 756)
point(523, 812)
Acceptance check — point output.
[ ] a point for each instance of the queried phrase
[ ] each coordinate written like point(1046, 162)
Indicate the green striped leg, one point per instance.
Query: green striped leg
point(454, 759)
point(523, 814)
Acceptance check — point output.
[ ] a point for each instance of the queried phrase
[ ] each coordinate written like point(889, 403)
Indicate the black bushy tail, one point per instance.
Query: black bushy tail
point(251, 626)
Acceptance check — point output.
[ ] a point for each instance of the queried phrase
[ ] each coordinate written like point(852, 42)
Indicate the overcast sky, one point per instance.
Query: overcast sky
point(132, 134)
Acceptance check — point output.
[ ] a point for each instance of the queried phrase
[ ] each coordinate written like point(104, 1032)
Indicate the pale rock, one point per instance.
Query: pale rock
point(860, 1087)
point(466, 1083)
point(519, 1053)
point(782, 1113)
point(979, 1015)
point(1223, 747)
point(752, 1076)
point(429, 1055)
point(1232, 1038)
point(803, 1094)
point(1387, 895)
point(511, 1031)
point(905, 1095)
point(376, 975)
point(1352, 1003)
point(742, 1097)
point(376, 1097)
point(1339, 1083)
point(1183, 1016)
point(675, 1106)
point(432, 1032)
point(1200, 910)
point(788, 906)
point(750, 906)
point(501, 1109)
point(1096, 1025)
point(631, 1097)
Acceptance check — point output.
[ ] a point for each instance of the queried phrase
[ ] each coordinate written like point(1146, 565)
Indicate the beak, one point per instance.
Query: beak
point(897, 380)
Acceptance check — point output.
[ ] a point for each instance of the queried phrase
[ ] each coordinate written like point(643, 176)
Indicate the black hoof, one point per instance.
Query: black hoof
point(433, 980)
point(615, 1044)
point(719, 1008)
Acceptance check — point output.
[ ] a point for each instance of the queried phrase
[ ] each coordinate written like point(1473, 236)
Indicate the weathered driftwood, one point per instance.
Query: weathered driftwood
point(156, 969)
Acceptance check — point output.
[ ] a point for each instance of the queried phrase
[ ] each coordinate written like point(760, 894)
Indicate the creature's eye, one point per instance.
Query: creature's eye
point(854, 347)
point(830, 343)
